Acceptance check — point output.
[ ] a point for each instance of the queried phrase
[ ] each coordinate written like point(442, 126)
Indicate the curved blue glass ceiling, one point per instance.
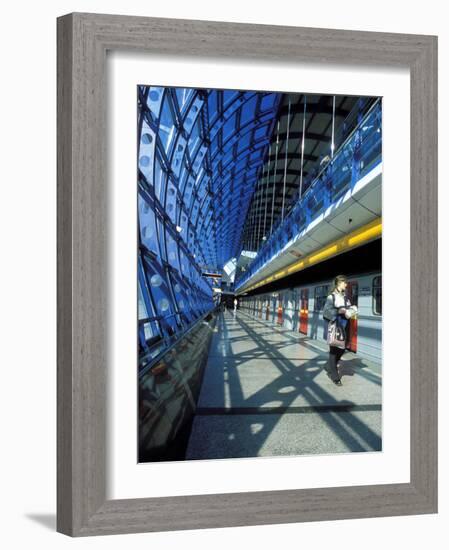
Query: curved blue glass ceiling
point(201, 151)
point(200, 155)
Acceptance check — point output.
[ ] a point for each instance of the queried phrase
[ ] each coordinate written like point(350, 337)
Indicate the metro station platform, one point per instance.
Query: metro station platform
point(265, 393)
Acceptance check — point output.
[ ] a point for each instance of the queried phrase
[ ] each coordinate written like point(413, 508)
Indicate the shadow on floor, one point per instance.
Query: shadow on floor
point(46, 520)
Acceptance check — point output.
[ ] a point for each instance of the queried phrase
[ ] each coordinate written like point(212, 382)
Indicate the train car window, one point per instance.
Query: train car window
point(320, 296)
point(377, 295)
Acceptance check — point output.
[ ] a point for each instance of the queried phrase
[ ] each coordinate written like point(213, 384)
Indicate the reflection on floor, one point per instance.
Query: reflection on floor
point(266, 394)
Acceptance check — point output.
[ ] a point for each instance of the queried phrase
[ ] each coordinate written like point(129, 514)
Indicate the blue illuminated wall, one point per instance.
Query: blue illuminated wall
point(200, 153)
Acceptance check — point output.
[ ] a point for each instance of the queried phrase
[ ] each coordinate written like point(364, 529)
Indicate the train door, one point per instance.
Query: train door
point(352, 291)
point(280, 311)
point(303, 310)
point(289, 309)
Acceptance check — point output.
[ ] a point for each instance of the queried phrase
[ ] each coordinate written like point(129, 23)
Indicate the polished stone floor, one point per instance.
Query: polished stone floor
point(266, 393)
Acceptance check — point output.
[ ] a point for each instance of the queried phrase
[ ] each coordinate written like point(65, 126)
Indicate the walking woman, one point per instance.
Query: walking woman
point(337, 308)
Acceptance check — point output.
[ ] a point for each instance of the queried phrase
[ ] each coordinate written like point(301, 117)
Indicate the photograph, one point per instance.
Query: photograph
point(259, 267)
point(224, 221)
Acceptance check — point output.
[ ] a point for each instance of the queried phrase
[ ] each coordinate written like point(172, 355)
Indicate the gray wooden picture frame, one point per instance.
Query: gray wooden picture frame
point(83, 40)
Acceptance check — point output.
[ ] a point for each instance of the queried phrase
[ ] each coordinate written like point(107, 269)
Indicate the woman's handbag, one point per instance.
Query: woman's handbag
point(336, 335)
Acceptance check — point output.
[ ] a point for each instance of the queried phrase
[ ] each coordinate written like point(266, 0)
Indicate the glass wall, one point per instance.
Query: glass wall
point(200, 153)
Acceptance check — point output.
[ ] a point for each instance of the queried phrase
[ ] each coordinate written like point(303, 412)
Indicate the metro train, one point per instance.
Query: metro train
point(300, 309)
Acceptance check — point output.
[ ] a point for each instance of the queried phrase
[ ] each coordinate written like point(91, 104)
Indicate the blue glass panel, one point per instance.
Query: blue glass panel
point(154, 100)
point(248, 111)
point(199, 177)
point(232, 107)
point(256, 157)
point(197, 162)
point(185, 265)
point(183, 222)
point(201, 192)
point(266, 118)
point(166, 124)
point(244, 143)
point(183, 175)
point(147, 225)
point(240, 166)
point(229, 128)
point(146, 152)
point(192, 114)
point(161, 238)
point(268, 102)
point(370, 153)
point(181, 291)
point(146, 309)
point(178, 154)
point(188, 191)
point(170, 202)
point(194, 140)
point(142, 309)
point(158, 285)
point(183, 95)
point(212, 106)
point(261, 133)
point(214, 147)
point(228, 96)
point(214, 130)
point(159, 180)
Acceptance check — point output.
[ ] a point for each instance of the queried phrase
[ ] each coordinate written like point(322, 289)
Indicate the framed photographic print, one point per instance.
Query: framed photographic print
point(246, 219)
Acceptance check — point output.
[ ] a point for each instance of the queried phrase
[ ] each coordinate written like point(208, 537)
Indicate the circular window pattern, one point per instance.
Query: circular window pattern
point(181, 304)
point(177, 288)
point(171, 191)
point(170, 207)
point(156, 280)
point(163, 304)
point(144, 161)
point(148, 232)
point(147, 138)
point(154, 95)
point(180, 148)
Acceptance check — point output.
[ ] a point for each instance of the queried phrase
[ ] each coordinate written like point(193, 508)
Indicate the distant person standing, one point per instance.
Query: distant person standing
point(235, 304)
point(338, 309)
